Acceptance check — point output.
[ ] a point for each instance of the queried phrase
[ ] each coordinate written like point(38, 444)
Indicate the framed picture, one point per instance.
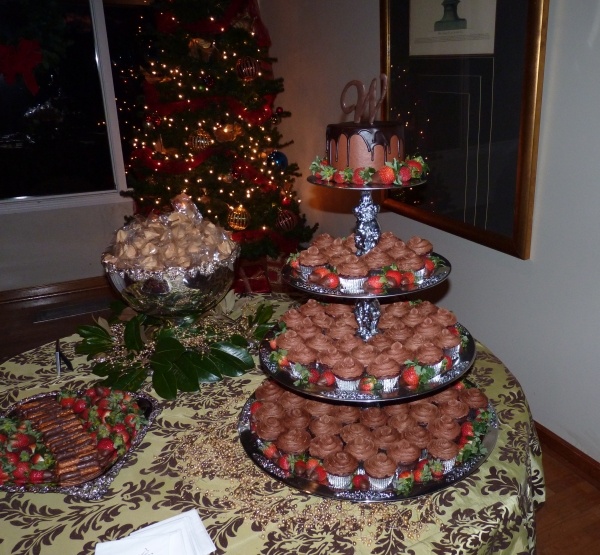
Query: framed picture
point(466, 79)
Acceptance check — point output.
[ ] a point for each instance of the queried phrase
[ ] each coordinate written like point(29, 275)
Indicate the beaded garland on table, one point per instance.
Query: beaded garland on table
point(208, 453)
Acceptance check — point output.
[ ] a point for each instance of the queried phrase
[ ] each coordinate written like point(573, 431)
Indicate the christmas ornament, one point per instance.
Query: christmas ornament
point(200, 140)
point(277, 159)
point(239, 218)
point(247, 68)
point(286, 220)
point(227, 133)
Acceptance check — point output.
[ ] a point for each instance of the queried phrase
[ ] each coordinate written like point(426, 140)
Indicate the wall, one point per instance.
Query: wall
point(539, 316)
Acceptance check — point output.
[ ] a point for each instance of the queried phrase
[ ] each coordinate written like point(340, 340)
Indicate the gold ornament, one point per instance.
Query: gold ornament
point(228, 133)
point(239, 218)
point(247, 68)
point(199, 140)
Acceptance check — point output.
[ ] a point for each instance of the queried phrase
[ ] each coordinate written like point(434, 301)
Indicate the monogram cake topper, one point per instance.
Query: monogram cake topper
point(367, 104)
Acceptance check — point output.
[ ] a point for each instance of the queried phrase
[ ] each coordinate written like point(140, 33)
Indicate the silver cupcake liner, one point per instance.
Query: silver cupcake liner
point(339, 482)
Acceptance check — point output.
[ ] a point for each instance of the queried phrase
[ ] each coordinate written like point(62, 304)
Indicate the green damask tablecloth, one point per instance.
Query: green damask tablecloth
point(192, 458)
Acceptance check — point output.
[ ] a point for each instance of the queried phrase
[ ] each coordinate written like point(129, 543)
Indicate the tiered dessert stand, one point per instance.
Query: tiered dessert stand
point(367, 310)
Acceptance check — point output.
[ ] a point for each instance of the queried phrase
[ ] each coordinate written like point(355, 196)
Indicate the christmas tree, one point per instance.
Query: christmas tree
point(210, 124)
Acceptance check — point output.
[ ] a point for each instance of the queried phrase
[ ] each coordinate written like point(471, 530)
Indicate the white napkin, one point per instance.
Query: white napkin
point(183, 534)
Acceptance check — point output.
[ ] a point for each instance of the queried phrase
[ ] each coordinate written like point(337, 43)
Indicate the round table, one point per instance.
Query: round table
point(191, 458)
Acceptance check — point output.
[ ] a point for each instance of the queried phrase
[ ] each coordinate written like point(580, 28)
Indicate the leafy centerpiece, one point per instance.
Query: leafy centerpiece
point(137, 349)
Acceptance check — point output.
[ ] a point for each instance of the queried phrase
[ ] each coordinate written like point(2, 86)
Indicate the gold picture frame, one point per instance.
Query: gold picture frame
point(475, 119)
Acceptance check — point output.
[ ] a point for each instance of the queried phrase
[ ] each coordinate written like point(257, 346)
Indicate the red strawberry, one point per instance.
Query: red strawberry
point(422, 473)
point(375, 283)
point(254, 407)
point(270, 451)
point(330, 281)
point(106, 445)
point(36, 476)
point(404, 174)
point(410, 377)
point(327, 378)
point(90, 392)
point(416, 167)
point(79, 406)
point(11, 458)
point(21, 471)
point(66, 399)
point(134, 421)
point(342, 176)
point(20, 441)
point(360, 482)
point(455, 331)
point(394, 277)
point(311, 464)
point(284, 462)
point(300, 468)
point(459, 385)
point(408, 278)
point(447, 360)
point(4, 476)
point(318, 474)
point(368, 383)
point(313, 375)
point(361, 175)
point(102, 391)
point(318, 274)
point(386, 175)
point(437, 470)
point(429, 265)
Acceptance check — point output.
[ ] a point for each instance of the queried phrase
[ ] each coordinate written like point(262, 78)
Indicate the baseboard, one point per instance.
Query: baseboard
point(584, 465)
point(53, 290)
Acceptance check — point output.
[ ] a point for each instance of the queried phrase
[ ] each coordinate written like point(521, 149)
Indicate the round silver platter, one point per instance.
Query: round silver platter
point(252, 445)
point(371, 186)
point(440, 273)
point(97, 487)
point(460, 366)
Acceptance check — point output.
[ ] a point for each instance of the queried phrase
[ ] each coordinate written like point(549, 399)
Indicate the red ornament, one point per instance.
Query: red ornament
point(286, 201)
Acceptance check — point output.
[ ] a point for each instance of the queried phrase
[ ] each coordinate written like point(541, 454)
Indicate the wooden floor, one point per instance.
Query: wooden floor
point(568, 523)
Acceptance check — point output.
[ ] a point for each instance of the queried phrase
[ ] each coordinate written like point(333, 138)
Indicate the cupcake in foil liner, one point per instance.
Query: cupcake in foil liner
point(352, 284)
point(389, 384)
point(339, 482)
point(346, 385)
point(380, 483)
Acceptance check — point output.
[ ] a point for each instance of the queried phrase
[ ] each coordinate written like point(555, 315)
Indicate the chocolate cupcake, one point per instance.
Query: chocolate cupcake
point(405, 454)
point(413, 318)
point(322, 446)
point(402, 422)
point(346, 414)
point(449, 342)
point(417, 435)
point(443, 450)
point(444, 427)
point(340, 331)
point(445, 395)
point(400, 332)
point(338, 309)
point(308, 330)
point(356, 429)
point(329, 359)
point(456, 409)
point(292, 319)
point(293, 441)
point(385, 436)
point(311, 308)
point(380, 341)
point(349, 343)
point(364, 353)
point(380, 469)
point(474, 397)
point(322, 240)
point(352, 274)
point(340, 468)
point(322, 321)
point(396, 408)
point(361, 447)
point(325, 425)
point(419, 245)
point(320, 343)
point(309, 259)
point(318, 408)
point(268, 390)
point(399, 354)
point(429, 329)
point(423, 412)
point(270, 428)
point(373, 417)
point(398, 309)
point(297, 417)
point(432, 356)
point(269, 408)
point(347, 373)
point(444, 317)
point(386, 370)
point(289, 400)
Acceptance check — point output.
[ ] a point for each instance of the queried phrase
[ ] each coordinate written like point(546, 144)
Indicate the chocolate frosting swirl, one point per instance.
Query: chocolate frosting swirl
point(445, 427)
point(373, 417)
point(400, 332)
point(322, 446)
point(444, 317)
point(297, 417)
point(354, 269)
point(269, 408)
point(423, 411)
point(302, 354)
point(474, 397)
point(270, 428)
point(292, 319)
point(347, 414)
point(429, 354)
point(404, 452)
point(428, 328)
point(399, 354)
point(455, 409)
point(340, 463)
point(364, 353)
point(361, 447)
point(413, 318)
point(398, 309)
point(288, 339)
point(311, 308)
point(318, 408)
point(383, 367)
point(312, 256)
point(331, 357)
point(322, 240)
point(325, 425)
point(293, 441)
point(402, 422)
point(447, 340)
point(350, 431)
point(385, 436)
point(418, 435)
point(268, 390)
point(419, 245)
point(380, 466)
point(413, 262)
point(289, 400)
point(338, 309)
point(348, 369)
point(442, 449)
point(320, 343)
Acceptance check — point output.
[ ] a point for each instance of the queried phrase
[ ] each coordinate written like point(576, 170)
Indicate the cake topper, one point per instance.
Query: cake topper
point(367, 103)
